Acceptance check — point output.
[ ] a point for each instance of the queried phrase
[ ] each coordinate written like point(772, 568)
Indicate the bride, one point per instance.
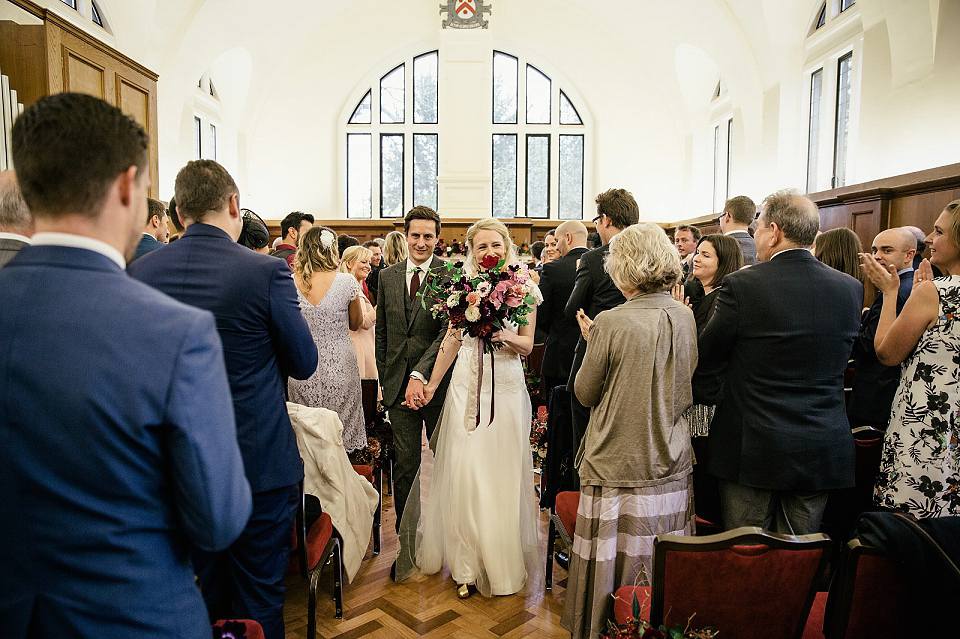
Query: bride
point(479, 508)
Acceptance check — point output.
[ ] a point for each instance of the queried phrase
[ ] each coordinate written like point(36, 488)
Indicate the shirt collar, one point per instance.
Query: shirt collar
point(905, 270)
point(79, 241)
point(14, 236)
point(411, 267)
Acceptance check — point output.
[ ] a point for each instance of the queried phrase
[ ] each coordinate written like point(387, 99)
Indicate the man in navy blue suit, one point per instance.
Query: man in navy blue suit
point(155, 232)
point(119, 448)
point(265, 338)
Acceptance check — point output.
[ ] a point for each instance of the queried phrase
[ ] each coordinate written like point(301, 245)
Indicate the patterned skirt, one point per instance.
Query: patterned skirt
point(613, 546)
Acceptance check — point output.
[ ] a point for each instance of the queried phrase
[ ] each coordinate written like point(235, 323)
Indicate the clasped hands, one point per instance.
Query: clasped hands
point(418, 394)
point(886, 279)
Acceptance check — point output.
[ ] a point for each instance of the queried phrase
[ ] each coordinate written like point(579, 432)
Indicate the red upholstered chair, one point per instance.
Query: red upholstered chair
point(373, 476)
point(871, 597)
point(236, 628)
point(745, 583)
point(312, 550)
point(563, 522)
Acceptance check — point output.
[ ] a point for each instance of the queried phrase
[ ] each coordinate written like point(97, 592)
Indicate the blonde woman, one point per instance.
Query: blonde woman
point(331, 303)
point(394, 248)
point(480, 517)
point(356, 261)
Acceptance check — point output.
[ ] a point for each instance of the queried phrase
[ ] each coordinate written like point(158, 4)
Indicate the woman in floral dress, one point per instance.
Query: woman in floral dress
point(920, 467)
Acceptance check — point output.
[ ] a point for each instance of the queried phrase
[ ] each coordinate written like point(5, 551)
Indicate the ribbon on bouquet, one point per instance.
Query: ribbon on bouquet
point(493, 378)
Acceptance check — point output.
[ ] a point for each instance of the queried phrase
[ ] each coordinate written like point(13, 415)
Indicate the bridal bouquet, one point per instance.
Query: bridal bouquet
point(482, 303)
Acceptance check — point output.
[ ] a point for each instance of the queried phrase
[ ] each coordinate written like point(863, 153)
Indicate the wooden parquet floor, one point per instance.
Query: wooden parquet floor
point(376, 607)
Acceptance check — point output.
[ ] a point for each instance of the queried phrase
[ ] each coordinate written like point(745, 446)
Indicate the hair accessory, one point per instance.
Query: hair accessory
point(326, 238)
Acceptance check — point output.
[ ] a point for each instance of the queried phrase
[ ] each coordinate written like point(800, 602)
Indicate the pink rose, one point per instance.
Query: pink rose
point(473, 298)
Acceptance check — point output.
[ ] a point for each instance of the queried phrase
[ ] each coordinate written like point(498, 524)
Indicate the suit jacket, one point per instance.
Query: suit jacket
point(556, 284)
point(747, 246)
point(119, 451)
point(594, 292)
point(874, 384)
point(408, 337)
point(9, 248)
point(780, 423)
point(148, 243)
point(265, 338)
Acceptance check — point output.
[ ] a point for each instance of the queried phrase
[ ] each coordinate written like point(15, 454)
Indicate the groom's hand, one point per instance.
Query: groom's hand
point(414, 397)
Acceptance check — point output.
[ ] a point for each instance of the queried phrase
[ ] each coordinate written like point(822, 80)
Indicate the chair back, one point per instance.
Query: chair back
point(872, 596)
point(745, 583)
point(369, 389)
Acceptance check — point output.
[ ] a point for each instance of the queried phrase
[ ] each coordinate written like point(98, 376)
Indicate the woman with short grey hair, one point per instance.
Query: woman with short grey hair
point(635, 461)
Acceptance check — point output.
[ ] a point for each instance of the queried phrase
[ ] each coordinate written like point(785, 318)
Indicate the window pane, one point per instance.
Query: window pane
point(846, 4)
point(813, 135)
point(425, 88)
point(538, 176)
point(197, 132)
point(822, 18)
point(568, 114)
point(361, 115)
point(843, 121)
point(359, 179)
point(504, 89)
point(95, 14)
point(391, 97)
point(213, 142)
point(425, 170)
point(504, 176)
point(571, 177)
point(538, 97)
point(70, 3)
point(729, 153)
point(391, 176)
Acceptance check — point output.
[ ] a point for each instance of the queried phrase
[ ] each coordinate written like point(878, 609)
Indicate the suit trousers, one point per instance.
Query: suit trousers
point(408, 427)
point(250, 573)
point(782, 511)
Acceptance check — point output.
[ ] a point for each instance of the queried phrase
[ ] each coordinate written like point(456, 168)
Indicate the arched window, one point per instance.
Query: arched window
point(393, 143)
point(90, 9)
point(538, 144)
point(206, 119)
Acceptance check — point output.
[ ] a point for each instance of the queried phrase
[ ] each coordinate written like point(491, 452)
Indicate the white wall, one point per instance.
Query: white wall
point(286, 71)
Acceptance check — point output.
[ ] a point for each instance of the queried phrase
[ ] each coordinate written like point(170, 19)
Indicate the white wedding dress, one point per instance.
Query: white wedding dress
point(479, 509)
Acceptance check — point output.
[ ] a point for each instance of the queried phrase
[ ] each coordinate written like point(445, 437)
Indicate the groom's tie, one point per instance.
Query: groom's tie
point(414, 284)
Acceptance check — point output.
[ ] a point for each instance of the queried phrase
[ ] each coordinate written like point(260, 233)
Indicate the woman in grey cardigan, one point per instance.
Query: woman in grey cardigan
point(635, 461)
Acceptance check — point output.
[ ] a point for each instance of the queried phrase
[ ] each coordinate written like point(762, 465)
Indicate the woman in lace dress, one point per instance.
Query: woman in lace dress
point(330, 302)
point(920, 466)
point(479, 510)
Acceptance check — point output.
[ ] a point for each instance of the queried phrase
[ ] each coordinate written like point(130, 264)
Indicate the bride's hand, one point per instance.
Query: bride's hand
point(428, 391)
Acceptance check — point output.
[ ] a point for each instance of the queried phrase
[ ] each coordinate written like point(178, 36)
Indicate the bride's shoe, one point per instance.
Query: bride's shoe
point(464, 591)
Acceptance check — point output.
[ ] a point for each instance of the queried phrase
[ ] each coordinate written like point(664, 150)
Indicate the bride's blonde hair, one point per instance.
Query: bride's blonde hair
point(489, 224)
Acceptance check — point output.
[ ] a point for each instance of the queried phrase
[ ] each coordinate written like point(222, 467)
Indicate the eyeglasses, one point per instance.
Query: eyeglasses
point(597, 219)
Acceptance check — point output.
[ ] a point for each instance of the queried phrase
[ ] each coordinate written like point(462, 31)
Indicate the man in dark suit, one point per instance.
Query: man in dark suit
point(408, 338)
point(686, 238)
point(738, 214)
point(874, 384)
point(779, 439)
point(119, 445)
point(556, 285)
point(156, 232)
point(594, 291)
point(16, 223)
point(265, 338)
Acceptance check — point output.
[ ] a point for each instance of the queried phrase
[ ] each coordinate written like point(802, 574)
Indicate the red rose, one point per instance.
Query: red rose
point(653, 633)
point(489, 261)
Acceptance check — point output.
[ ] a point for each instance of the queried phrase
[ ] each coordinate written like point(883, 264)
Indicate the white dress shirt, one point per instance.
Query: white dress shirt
point(79, 241)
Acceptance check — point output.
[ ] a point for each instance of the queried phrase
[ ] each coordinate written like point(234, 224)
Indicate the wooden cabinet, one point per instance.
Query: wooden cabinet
point(56, 56)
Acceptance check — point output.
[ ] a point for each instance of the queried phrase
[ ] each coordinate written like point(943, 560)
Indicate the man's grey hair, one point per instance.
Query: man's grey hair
point(14, 214)
point(794, 214)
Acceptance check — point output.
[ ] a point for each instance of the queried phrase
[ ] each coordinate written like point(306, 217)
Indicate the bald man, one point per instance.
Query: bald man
point(16, 223)
point(874, 384)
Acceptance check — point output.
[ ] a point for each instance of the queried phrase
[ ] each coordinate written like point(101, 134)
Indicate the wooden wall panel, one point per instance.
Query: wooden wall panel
point(23, 58)
point(83, 76)
point(134, 101)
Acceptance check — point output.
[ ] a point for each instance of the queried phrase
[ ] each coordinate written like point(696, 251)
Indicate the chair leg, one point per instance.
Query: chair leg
point(551, 542)
point(312, 603)
point(338, 580)
point(390, 477)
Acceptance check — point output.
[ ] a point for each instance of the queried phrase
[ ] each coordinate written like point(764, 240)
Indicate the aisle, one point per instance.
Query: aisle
point(374, 606)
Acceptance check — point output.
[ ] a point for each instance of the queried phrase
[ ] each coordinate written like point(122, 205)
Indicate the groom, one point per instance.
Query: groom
point(408, 339)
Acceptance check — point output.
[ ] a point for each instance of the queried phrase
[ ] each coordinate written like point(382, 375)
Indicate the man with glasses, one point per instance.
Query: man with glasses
point(593, 290)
